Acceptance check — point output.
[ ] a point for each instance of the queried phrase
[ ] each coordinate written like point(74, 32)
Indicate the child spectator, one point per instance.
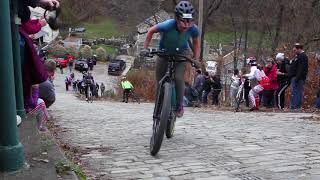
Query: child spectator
point(46, 89)
point(37, 108)
point(235, 83)
point(269, 91)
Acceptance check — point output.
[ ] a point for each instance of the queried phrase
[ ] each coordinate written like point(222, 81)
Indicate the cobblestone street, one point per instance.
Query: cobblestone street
point(206, 145)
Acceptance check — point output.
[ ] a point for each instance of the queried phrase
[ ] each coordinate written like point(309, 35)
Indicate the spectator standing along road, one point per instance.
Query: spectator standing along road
point(235, 83)
point(283, 79)
point(46, 89)
point(216, 89)
point(198, 83)
point(206, 87)
point(102, 89)
point(300, 67)
point(269, 91)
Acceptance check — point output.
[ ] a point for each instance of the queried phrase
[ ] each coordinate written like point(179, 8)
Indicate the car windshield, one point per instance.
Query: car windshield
point(115, 63)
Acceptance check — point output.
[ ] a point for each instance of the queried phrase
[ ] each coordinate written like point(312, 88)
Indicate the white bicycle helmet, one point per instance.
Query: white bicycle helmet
point(252, 61)
point(280, 56)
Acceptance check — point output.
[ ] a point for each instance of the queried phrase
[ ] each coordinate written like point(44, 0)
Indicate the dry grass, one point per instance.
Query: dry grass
point(144, 83)
point(312, 84)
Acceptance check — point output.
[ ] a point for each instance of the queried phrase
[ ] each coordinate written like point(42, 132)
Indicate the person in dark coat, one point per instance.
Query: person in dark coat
point(283, 79)
point(206, 87)
point(300, 69)
point(198, 83)
point(216, 89)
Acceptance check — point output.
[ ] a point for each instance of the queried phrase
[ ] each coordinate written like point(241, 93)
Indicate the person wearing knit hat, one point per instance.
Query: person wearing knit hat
point(283, 79)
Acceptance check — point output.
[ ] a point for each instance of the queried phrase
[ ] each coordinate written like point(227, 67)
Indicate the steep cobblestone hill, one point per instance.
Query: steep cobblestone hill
point(206, 145)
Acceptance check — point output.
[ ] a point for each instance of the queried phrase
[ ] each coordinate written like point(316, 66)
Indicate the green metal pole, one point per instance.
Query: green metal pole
point(17, 63)
point(11, 151)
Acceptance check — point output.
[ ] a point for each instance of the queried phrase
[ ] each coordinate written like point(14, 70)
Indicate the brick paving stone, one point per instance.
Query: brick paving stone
point(216, 145)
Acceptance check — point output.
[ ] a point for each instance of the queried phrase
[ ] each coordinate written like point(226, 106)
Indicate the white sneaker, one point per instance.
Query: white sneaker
point(18, 120)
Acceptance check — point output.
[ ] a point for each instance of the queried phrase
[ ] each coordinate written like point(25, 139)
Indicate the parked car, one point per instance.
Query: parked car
point(81, 65)
point(116, 67)
point(64, 60)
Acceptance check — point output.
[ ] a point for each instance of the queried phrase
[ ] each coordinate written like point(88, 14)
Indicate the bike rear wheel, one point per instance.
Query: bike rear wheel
point(160, 123)
point(135, 97)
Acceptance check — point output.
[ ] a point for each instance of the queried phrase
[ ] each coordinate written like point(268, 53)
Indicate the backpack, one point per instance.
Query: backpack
point(264, 82)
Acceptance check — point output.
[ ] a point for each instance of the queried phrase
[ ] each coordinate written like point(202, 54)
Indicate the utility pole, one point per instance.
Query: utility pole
point(11, 151)
point(17, 60)
point(200, 20)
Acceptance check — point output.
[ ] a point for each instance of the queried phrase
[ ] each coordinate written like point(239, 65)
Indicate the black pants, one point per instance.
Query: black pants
point(268, 98)
point(281, 92)
point(125, 95)
point(215, 97)
point(246, 95)
point(91, 88)
point(67, 86)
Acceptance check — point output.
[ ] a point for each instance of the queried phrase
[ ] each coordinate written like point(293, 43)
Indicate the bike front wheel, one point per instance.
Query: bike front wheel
point(171, 124)
point(160, 122)
point(239, 99)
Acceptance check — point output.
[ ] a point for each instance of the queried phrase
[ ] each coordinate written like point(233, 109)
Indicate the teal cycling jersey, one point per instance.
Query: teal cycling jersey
point(172, 39)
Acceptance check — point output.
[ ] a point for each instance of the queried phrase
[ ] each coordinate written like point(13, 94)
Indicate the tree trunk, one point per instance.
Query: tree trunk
point(202, 39)
point(307, 22)
point(245, 51)
point(278, 27)
point(235, 49)
point(260, 41)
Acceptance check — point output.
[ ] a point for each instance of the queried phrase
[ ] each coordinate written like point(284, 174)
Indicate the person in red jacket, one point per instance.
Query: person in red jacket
point(269, 92)
point(33, 26)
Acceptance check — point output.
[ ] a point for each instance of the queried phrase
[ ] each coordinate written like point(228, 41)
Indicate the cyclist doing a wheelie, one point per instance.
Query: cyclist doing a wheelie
point(262, 82)
point(175, 34)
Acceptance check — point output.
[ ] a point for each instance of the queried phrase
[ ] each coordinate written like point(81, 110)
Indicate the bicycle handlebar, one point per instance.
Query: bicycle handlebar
point(52, 20)
point(162, 53)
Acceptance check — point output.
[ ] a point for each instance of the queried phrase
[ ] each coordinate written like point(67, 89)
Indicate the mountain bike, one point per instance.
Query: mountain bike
point(164, 117)
point(240, 97)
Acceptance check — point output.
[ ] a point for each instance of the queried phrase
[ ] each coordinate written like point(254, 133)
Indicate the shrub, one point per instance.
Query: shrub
point(58, 50)
point(101, 54)
point(73, 51)
point(86, 51)
point(143, 82)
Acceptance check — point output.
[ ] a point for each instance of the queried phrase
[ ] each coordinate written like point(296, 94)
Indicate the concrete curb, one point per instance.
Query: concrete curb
point(41, 153)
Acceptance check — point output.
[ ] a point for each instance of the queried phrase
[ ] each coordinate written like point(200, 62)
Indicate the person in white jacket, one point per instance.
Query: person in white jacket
point(258, 75)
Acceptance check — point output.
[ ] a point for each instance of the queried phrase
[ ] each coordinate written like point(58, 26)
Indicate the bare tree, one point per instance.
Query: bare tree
point(213, 5)
point(174, 2)
point(278, 26)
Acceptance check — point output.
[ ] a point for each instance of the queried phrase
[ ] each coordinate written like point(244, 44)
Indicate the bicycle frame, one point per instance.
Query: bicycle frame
point(163, 116)
point(168, 77)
